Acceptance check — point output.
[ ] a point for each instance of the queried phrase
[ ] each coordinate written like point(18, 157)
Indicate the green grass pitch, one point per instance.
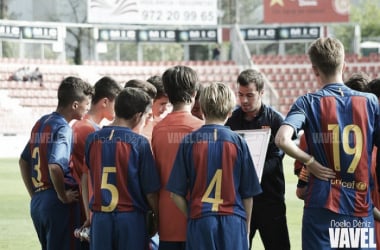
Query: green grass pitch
point(17, 231)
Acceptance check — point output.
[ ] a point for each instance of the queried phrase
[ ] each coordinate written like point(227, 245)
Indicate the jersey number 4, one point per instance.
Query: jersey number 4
point(216, 183)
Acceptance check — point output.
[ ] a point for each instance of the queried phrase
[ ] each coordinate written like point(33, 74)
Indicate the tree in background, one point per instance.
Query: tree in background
point(77, 36)
point(7, 49)
point(3, 8)
point(365, 14)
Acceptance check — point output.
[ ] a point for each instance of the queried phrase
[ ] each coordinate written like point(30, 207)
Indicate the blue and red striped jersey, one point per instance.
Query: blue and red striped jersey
point(50, 143)
point(122, 170)
point(215, 166)
point(341, 126)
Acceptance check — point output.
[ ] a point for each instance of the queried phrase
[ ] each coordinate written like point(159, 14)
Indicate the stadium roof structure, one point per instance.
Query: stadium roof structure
point(370, 45)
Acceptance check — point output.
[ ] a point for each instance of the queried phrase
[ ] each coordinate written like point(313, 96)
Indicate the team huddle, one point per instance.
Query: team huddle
point(183, 175)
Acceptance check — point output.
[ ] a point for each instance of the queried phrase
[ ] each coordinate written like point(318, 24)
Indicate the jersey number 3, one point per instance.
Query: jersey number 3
point(37, 180)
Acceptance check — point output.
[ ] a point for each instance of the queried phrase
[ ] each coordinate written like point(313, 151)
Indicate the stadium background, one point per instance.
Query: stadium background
point(66, 37)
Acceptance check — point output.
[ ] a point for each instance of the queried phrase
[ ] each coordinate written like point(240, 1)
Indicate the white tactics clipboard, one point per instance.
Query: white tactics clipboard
point(257, 140)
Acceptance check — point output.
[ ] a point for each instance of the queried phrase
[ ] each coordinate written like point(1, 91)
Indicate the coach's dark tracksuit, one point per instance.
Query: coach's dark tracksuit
point(269, 211)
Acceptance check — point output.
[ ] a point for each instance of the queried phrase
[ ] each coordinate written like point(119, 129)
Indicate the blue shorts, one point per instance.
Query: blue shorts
point(323, 229)
point(118, 230)
point(217, 232)
point(55, 221)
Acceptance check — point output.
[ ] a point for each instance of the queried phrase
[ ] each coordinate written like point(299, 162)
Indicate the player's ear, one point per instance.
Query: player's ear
point(137, 122)
point(105, 101)
point(75, 105)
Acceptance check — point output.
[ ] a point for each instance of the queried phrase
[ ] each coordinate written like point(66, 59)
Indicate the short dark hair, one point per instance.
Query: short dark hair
point(180, 83)
point(156, 81)
point(106, 87)
point(358, 81)
point(199, 90)
point(249, 76)
point(73, 89)
point(374, 87)
point(144, 85)
point(131, 101)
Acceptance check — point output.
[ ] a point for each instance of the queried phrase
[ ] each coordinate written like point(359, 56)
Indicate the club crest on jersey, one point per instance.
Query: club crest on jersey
point(352, 234)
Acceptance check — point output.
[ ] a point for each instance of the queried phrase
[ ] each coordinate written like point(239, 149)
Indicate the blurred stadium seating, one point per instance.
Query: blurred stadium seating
point(290, 76)
point(33, 101)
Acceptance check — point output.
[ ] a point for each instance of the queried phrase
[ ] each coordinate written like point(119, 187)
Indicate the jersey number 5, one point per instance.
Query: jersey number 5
point(111, 188)
point(216, 183)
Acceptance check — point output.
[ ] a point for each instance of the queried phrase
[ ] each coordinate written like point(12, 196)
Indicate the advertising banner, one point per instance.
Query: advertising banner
point(306, 11)
point(153, 12)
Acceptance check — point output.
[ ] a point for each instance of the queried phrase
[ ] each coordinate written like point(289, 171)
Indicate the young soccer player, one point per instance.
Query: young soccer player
point(180, 84)
point(357, 81)
point(159, 107)
point(374, 87)
point(102, 107)
point(151, 90)
point(341, 126)
point(153, 87)
point(214, 165)
point(45, 170)
point(147, 87)
point(196, 110)
point(161, 100)
point(123, 176)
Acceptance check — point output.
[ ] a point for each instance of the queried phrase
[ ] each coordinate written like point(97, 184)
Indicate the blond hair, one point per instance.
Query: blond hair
point(217, 100)
point(327, 54)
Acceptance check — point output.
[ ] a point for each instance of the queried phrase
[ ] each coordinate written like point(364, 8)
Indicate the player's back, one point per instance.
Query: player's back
point(340, 128)
point(220, 170)
point(49, 131)
point(121, 162)
point(166, 137)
